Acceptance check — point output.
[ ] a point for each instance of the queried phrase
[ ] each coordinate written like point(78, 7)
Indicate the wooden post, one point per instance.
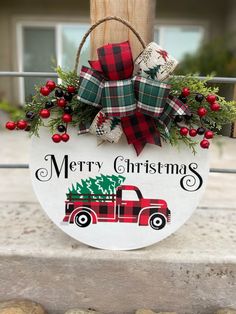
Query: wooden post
point(140, 13)
point(233, 133)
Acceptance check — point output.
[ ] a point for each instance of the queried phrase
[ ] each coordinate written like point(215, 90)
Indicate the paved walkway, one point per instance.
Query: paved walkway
point(15, 184)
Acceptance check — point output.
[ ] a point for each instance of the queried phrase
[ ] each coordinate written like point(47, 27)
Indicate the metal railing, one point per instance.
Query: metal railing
point(224, 80)
point(26, 166)
point(28, 74)
point(216, 79)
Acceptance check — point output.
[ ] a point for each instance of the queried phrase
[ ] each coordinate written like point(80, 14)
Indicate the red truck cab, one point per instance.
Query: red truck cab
point(90, 208)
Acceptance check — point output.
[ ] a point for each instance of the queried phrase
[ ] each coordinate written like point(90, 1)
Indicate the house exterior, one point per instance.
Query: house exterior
point(38, 35)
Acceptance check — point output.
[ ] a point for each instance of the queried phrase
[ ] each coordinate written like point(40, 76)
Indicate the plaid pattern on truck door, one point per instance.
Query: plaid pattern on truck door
point(132, 211)
point(129, 211)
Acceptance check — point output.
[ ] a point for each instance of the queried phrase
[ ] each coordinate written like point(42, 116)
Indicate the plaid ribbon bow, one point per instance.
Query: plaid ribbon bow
point(109, 85)
point(121, 98)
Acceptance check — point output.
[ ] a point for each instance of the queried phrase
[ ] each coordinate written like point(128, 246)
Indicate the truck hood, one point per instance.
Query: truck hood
point(158, 202)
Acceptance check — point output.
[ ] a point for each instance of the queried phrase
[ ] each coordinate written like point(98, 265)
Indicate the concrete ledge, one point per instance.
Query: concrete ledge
point(193, 271)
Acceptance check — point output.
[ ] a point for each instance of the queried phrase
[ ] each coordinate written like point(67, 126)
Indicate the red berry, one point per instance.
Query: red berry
point(22, 124)
point(61, 102)
point(10, 125)
point(71, 89)
point(209, 134)
point(193, 132)
point(184, 131)
point(215, 106)
point(204, 144)
point(66, 118)
point(45, 91)
point(211, 99)
point(202, 112)
point(56, 138)
point(65, 137)
point(51, 85)
point(185, 91)
point(44, 113)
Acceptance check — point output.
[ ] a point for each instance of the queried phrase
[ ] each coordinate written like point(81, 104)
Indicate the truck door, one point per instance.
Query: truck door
point(129, 207)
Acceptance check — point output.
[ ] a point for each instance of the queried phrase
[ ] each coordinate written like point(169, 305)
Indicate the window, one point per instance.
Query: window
point(179, 40)
point(39, 50)
point(70, 38)
point(43, 47)
point(128, 195)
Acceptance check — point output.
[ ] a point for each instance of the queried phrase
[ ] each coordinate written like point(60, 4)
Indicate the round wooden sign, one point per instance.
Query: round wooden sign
point(107, 197)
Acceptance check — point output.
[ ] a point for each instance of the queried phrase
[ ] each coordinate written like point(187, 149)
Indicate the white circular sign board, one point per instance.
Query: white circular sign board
point(107, 197)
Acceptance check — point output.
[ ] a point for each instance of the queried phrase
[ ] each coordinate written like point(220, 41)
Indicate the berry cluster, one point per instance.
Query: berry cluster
point(200, 131)
point(19, 125)
point(62, 100)
point(201, 113)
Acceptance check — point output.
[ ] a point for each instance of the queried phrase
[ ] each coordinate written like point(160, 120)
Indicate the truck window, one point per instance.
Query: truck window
point(129, 195)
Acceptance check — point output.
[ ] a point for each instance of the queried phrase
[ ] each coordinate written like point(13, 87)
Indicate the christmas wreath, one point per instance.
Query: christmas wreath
point(140, 99)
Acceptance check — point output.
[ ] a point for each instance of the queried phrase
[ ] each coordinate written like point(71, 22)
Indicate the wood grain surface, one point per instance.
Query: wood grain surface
point(140, 13)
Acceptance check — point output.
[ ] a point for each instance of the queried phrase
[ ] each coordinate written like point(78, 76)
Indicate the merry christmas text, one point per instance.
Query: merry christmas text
point(190, 179)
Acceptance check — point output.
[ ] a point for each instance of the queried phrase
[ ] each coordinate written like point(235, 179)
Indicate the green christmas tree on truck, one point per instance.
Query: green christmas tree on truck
point(98, 188)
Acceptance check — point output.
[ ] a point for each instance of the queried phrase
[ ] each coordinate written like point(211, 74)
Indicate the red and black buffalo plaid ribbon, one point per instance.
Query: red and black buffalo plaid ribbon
point(115, 61)
point(140, 130)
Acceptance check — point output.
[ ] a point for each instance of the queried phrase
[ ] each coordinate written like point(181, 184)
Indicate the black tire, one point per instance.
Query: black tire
point(157, 221)
point(83, 219)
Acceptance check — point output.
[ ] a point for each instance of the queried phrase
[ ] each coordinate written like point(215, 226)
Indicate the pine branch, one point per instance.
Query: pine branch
point(213, 119)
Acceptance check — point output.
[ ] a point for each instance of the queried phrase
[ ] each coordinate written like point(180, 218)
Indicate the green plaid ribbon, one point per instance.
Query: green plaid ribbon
point(151, 95)
point(123, 97)
point(173, 107)
point(90, 87)
point(118, 98)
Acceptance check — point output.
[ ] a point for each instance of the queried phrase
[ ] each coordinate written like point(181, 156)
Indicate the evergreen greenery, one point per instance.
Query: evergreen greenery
point(84, 114)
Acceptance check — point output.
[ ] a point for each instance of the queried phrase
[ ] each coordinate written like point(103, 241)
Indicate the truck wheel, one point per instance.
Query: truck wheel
point(157, 221)
point(83, 219)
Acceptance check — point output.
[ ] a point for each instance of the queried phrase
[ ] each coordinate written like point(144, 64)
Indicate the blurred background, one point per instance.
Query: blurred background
point(38, 35)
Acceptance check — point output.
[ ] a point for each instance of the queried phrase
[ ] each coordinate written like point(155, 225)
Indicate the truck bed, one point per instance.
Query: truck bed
point(71, 197)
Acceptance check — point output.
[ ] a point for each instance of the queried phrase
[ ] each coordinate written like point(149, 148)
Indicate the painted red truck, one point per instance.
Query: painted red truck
point(84, 209)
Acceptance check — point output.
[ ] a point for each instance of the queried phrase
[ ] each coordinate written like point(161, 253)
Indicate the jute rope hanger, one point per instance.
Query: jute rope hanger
point(93, 26)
